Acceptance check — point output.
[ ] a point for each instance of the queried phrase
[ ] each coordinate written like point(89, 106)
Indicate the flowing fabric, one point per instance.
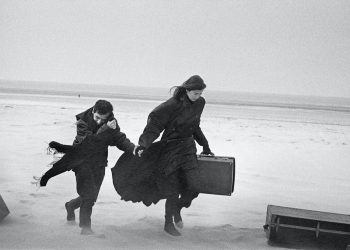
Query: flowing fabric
point(147, 179)
point(90, 153)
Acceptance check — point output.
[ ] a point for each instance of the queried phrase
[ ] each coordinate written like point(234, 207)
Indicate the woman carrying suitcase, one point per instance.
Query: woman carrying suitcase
point(168, 168)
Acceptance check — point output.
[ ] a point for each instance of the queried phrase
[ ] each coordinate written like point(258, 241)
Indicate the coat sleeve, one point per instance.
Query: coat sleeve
point(200, 137)
point(120, 140)
point(82, 131)
point(156, 123)
point(198, 134)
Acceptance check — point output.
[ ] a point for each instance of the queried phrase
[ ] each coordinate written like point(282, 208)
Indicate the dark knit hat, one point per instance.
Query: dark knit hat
point(194, 83)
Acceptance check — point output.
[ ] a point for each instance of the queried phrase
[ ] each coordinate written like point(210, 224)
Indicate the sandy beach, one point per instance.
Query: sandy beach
point(287, 157)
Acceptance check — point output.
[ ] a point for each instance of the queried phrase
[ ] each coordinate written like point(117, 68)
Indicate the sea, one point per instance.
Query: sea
point(227, 104)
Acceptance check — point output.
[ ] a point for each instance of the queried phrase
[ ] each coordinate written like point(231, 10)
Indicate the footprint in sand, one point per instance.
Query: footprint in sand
point(26, 202)
point(146, 219)
point(38, 195)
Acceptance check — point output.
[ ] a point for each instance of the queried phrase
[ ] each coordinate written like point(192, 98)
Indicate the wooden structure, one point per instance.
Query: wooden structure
point(217, 174)
point(278, 217)
point(4, 211)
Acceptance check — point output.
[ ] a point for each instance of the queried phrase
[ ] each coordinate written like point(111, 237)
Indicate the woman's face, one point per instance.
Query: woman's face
point(193, 95)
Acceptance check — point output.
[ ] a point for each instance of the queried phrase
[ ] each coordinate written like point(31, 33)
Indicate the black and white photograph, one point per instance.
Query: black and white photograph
point(187, 124)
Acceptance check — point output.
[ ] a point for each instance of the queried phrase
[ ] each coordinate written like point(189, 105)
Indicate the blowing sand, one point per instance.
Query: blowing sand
point(287, 157)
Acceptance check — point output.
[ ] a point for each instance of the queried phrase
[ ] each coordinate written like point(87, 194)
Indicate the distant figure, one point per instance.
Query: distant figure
point(166, 169)
point(96, 130)
point(79, 95)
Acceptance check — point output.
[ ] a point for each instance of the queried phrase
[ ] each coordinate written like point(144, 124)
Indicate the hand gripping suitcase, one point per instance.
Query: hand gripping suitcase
point(3, 209)
point(216, 174)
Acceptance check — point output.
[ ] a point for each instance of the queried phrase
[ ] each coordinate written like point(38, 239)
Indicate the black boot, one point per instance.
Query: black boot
point(177, 216)
point(70, 207)
point(70, 212)
point(169, 226)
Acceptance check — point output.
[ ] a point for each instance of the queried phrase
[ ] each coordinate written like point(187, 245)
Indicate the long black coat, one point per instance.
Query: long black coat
point(154, 176)
point(177, 118)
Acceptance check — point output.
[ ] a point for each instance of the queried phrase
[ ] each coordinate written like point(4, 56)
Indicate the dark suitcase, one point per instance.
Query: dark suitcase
point(217, 175)
point(4, 211)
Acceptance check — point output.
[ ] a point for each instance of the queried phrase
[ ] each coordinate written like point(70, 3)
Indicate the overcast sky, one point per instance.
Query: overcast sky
point(289, 47)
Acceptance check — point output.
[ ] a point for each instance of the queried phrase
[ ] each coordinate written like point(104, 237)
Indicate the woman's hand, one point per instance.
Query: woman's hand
point(207, 151)
point(138, 150)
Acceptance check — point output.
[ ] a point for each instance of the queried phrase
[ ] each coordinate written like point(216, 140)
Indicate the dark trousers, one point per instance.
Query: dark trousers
point(188, 179)
point(89, 181)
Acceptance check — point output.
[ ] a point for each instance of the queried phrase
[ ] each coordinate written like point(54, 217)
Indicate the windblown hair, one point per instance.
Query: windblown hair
point(193, 83)
point(103, 107)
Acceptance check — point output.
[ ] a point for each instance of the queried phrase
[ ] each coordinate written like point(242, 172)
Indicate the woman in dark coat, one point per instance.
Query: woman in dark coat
point(168, 168)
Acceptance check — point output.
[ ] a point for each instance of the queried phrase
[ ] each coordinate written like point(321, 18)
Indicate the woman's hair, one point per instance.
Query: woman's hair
point(103, 107)
point(193, 83)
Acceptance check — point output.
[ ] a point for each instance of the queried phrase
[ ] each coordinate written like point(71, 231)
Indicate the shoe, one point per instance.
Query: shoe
point(179, 224)
point(177, 218)
point(70, 212)
point(170, 229)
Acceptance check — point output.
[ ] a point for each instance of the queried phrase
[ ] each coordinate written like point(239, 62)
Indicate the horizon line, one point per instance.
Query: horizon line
point(261, 93)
